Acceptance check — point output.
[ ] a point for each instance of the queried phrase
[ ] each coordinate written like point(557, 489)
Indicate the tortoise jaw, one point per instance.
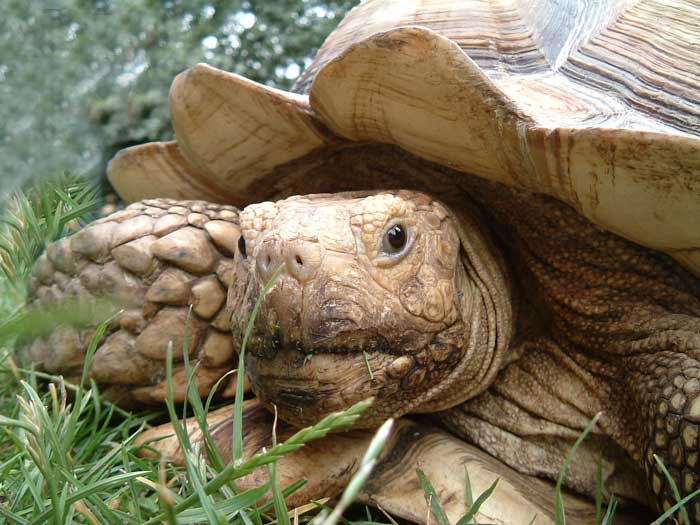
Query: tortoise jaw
point(304, 388)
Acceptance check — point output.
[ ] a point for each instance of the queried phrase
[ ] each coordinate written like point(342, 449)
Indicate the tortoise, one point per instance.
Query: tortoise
point(492, 205)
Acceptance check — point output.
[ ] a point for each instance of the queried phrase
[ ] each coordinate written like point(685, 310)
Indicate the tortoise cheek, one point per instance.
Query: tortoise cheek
point(429, 297)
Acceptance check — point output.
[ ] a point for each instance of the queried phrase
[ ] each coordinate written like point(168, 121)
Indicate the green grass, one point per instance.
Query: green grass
point(75, 461)
point(68, 456)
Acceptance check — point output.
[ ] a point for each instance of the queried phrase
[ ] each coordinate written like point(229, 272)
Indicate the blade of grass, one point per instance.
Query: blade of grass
point(674, 488)
point(432, 499)
point(285, 493)
point(229, 507)
point(102, 485)
point(369, 368)
point(132, 484)
point(200, 411)
point(12, 517)
point(468, 495)
point(477, 504)
point(610, 512)
point(280, 506)
point(333, 421)
point(559, 512)
point(238, 399)
point(89, 354)
point(352, 489)
point(205, 500)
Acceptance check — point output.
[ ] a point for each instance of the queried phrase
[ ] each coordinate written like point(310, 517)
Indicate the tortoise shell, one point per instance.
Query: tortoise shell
point(595, 103)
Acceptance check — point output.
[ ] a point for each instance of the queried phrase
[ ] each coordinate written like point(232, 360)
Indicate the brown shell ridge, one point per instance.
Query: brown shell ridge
point(414, 88)
point(235, 131)
point(649, 63)
point(231, 132)
point(607, 175)
point(469, 85)
point(159, 170)
point(417, 89)
point(494, 34)
point(561, 27)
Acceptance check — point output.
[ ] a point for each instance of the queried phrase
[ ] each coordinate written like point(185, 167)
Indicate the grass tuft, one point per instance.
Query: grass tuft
point(352, 490)
point(37, 216)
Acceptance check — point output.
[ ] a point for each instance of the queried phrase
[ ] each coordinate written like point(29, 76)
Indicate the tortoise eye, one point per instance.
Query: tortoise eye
point(241, 247)
point(395, 239)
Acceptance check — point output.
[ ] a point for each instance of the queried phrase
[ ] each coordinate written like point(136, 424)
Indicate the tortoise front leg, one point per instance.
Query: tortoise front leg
point(666, 389)
point(154, 259)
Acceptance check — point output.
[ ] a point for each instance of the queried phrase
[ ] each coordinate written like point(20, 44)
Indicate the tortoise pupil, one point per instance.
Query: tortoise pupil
point(396, 237)
point(241, 246)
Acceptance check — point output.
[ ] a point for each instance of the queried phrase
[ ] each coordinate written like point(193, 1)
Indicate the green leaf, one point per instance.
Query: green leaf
point(610, 512)
point(674, 488)
point(100, 486)
point(281, 511)
point(367, 464)
point(473, 509)
point(238, 400)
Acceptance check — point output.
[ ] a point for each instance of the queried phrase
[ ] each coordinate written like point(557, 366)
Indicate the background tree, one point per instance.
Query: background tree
point(81, 79)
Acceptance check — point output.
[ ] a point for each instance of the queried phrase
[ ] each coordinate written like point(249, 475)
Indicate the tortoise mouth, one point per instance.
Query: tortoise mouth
point(304, 388)
point(305, 371)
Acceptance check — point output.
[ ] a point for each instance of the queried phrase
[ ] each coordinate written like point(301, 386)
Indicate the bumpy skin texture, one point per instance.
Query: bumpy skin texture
point(154, 259)
point(432, 318)
point(620, 333)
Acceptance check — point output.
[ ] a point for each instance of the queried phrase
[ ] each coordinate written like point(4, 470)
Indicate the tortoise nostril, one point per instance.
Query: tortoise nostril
point(242, 247)
point(267, 261)
point(302, 259)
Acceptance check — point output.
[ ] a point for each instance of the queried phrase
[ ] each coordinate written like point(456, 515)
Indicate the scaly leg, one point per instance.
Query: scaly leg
point(627, 319)
point(666, 388)
point(534, 412)
point(154, 259)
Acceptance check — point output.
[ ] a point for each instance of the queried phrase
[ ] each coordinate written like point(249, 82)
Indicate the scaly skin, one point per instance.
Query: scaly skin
point(620, 333)
point(152, 259)
point(519, 327)
point(434, 320)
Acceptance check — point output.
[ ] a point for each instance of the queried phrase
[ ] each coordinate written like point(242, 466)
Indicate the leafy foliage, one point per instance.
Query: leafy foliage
point(77, 463)
point(29, 220)
point(38, 216)
point(81, 79)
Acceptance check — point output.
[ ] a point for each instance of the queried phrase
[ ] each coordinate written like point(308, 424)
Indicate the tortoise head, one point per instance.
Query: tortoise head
point(384, 294)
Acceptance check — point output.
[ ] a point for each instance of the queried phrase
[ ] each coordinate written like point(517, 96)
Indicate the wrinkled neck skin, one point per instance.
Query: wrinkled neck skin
point(420, 330)
point(488, 313)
